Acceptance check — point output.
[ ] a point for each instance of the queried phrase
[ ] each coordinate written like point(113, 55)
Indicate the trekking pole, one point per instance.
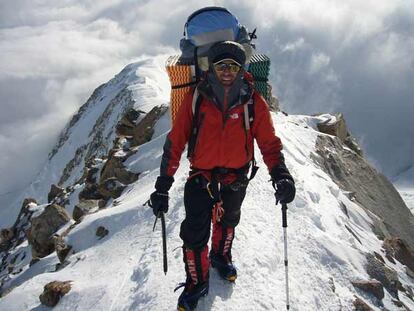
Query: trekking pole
point(284, 225)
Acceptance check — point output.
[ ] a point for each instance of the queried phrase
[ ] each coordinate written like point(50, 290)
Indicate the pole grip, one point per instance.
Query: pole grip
point(284, 215)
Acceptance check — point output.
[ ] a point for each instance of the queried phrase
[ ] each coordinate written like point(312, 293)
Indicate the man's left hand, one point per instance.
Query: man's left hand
point(285, 191)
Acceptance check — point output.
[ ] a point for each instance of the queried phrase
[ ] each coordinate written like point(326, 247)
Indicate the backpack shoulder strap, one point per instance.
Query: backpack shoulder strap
point(248, 113)
point(248, 121)
point(196, 103)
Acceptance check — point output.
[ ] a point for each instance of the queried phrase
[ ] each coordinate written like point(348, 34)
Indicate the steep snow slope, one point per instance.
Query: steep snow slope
point(123, 271)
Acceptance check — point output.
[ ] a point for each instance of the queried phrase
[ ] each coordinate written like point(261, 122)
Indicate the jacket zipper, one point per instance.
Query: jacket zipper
point(225, 108)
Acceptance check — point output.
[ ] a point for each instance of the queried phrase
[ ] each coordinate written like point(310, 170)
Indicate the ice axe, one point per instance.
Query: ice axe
point(164, 235)
point(164, 239)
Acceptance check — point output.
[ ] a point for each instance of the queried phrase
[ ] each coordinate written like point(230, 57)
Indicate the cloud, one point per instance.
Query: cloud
point(327, 56)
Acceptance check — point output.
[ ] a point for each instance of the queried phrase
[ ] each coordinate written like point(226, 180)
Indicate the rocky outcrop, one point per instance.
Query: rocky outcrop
point(111, 188)
point(53, 292)
point(126, 125)
point(54, 192)
point(43, 227)
point(396, 248)
point(361, 305)
point(114, 168)
point(387, 276)
point(336, 126)
point(12, 238)
point(373, 287)
point(143, 132)
point(62, 249)
point(101, 232)
point(85, 207)
point(372, 190)
point(6, 235)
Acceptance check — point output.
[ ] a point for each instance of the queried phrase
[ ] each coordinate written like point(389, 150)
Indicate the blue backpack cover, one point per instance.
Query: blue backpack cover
point(208, 26)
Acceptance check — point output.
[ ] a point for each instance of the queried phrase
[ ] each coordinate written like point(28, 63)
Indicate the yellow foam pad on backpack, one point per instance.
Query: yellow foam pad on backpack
point(179, 74)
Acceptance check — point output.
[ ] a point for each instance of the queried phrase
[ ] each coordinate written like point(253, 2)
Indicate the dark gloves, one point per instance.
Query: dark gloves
point(285, 191)
point(159, 198)
point(283, 183)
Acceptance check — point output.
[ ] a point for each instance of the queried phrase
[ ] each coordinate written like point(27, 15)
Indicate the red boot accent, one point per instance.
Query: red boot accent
point(222, 240)
point(196, 265)
point(216, 237)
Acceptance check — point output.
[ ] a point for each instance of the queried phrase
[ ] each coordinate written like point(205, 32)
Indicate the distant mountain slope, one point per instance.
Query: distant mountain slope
point(91, 131)
point(405, 185)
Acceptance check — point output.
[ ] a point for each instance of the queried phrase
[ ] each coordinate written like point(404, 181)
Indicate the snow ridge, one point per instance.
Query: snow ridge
point(329, 234)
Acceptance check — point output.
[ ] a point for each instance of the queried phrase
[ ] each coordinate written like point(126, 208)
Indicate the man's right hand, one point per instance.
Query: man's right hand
point(159, 198)
point(159, 202)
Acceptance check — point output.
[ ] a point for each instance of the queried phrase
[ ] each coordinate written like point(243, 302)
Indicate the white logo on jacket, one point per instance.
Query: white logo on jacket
point(234, 116)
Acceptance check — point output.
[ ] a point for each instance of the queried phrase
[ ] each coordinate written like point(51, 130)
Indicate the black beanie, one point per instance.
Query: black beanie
point(227, 50)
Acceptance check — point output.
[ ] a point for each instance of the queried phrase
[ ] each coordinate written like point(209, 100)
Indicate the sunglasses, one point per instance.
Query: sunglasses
point(230, 66)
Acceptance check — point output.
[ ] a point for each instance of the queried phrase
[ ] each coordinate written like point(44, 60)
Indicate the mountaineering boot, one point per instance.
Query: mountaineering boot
point(196, 284)
point(220, 254)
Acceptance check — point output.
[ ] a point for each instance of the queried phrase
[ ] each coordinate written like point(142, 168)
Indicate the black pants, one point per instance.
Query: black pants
point(195, 229)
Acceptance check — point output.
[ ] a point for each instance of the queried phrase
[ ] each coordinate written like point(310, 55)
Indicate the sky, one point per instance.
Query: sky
point(354, 57)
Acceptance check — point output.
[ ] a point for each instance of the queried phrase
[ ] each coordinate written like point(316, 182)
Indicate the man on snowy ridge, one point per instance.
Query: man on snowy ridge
point(221, 145)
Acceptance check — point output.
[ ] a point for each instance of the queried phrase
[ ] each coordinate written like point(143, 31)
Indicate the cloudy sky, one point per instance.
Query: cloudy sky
point(355, 57)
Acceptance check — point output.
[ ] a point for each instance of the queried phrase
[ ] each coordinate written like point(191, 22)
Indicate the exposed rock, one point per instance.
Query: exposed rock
point(6, 235)
point(373, 191)
point(379, 257)
point(53, 291)
point(43, 227)
point(101, 232)
point(54, 192)
point(395, 247)
point(127, 123)
point(26, 203)
point(91, 175)
point(15, 236)
point(387, 276)
point(361, 305)
point(91, 192)
point(336, 126)
point(352, 144)
point(85, 207)
point(111, 187)
point(115, 168)
point(62, 250)
point(373, 287)
point(144, 130)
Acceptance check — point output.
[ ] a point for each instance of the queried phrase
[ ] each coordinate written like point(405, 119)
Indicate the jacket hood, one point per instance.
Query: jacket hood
point(240, 92)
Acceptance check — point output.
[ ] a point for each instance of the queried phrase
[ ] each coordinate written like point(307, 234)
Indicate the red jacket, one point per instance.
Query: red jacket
point(222, 140)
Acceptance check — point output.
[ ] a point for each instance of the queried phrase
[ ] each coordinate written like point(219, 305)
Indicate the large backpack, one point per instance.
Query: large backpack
point(202, 29)
point(206, 27)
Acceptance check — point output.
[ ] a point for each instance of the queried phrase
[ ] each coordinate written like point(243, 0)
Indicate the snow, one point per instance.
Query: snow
point(123, 270)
